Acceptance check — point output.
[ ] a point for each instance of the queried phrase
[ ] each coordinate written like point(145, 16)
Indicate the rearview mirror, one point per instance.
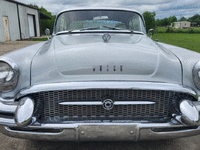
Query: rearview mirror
point(150, 32)
point(47, 32)
point(100, 18)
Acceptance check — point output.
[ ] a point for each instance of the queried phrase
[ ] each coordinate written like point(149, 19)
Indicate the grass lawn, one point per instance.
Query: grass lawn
point(189, 41)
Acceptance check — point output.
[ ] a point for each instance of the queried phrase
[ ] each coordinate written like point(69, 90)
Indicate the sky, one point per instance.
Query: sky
point(162, 8)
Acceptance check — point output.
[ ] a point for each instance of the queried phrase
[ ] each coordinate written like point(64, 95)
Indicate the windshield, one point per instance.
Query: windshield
point(99, 20)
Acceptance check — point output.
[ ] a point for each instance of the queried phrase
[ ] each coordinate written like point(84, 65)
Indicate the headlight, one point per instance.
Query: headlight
point(8, 76)
point(196, 74)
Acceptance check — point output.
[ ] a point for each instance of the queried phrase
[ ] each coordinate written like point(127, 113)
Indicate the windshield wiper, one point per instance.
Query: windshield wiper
point(95, 28)
point(89, 28)
point(100, 27)
point(115, 28)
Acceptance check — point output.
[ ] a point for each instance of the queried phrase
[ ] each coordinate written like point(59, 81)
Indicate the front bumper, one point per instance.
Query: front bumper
point(102, 132)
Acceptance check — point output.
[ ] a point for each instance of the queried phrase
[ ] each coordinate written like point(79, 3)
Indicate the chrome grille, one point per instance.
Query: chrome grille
point(53, 112)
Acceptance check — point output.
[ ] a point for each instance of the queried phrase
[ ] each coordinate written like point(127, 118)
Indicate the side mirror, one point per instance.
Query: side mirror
point(47, 32)
point(150, 32)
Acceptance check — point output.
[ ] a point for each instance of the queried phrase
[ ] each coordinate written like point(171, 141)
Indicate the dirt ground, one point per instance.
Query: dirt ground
point(6, 47)
point(7, 143)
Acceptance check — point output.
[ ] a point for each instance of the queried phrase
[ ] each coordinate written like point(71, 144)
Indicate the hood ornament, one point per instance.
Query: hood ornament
point(106, 37)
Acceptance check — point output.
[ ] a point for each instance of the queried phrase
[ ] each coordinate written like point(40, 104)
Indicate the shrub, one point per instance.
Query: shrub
point(169, 30)
point(191, 31)
point(178, 30)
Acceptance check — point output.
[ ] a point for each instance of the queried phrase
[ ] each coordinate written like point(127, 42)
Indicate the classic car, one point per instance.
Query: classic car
point(100, 78)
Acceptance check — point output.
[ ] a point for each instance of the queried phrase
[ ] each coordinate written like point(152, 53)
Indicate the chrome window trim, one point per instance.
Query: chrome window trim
point(107, 85)
point(98, 8)
point(100, 31)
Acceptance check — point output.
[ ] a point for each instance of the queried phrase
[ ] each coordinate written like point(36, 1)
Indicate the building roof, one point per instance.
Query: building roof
point(16, 2)
point(42, 15)
point(181, 21)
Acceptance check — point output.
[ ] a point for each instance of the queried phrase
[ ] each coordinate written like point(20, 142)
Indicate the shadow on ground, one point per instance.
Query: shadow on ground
point(176, 144)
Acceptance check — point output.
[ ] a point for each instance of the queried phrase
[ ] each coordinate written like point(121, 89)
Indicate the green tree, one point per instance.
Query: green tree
point(173, 24)
point(195, 19)
point(33, 5)
point(182, 19)
point(172, 19)
point(158, 22)
point(149, 18)
point(166, 21)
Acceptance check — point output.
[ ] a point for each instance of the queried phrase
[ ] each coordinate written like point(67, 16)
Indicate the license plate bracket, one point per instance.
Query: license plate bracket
point(107, 133)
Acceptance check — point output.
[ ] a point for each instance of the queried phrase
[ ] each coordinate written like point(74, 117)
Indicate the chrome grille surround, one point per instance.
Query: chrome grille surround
point(53, 112)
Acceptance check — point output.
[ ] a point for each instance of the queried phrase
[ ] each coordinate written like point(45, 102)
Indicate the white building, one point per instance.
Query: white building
point(182, 24)
point(19, 21)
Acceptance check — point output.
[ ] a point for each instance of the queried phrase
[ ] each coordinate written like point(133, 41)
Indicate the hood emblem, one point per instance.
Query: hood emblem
point(106, 37)
point(108, 104)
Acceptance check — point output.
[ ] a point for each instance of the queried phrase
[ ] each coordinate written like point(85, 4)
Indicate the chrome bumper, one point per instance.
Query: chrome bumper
point(7, 107)
point(105, 131)
point(102, 132)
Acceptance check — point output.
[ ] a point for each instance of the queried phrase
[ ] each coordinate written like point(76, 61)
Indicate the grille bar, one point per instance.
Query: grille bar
point(115, 103)
point(53, 112)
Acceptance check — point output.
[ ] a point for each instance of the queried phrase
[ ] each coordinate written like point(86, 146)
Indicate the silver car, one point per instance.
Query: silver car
point(100, 78)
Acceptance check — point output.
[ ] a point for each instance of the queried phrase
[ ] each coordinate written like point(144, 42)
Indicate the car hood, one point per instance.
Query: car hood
point(86, 57)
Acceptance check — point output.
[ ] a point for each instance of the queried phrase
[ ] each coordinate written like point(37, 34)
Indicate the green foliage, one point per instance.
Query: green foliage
point(169, 30)
point(33, 5)
point(161, 29)
point(166, 21)
point(42, 9)
point(47, 23)
point(149, 18)
point(195, 19)
point(189, 41)
point(191, 31)
point(182, 19)
point(173, 24)
point(178, 30)
point(172, 19)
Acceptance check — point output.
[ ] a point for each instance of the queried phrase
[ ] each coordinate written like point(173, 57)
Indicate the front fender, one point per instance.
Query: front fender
point(22, 58)
point(188, 59)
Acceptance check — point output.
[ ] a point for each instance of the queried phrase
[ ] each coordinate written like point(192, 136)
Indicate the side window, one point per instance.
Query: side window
point(63, 26)
point(134, 23)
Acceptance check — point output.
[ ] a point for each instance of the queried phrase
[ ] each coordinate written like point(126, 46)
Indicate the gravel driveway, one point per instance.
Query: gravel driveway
point(7, 143)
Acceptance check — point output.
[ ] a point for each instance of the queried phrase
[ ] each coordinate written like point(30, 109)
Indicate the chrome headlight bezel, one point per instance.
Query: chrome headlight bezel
point(7, 86)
